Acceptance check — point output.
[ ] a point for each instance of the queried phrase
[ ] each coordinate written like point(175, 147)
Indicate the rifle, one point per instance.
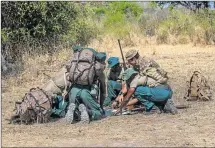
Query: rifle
point(124, 65)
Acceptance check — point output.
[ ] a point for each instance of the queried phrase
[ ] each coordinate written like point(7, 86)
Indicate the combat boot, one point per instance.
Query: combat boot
point(170, 107)
point(84, 114)
point(154, 110)
point(70, 114)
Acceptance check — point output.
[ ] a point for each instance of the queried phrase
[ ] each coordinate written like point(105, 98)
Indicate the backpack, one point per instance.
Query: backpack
point(198, 88)
point(156, 75)
point(36, 106)
point(146, 64)
point(82, 67)
point(58, 84)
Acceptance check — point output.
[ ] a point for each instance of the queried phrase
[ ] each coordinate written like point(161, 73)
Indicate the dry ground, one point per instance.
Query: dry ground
point(194, 126)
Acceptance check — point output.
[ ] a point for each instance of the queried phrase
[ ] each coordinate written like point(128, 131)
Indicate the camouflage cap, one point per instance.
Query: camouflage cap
point(130, 54)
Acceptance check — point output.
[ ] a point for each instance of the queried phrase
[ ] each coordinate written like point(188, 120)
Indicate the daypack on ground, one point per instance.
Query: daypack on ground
point(198, 88)
point(36, 106)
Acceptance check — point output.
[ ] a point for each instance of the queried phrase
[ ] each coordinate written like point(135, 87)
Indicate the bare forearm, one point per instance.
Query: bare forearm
point(124, 89)
point(127, 97)
point(132, 102)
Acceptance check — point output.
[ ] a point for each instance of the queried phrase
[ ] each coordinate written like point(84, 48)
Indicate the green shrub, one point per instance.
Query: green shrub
point(84, 28)
point(39, 27)
point(181, 24)
point(118, 17)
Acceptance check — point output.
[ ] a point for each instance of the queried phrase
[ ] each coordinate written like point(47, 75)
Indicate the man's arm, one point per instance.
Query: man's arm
point(125, 100)
point(122, 92)
point(100, 76)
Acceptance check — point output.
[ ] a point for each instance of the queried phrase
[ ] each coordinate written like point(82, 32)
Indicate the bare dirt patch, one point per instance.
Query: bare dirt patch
point(191, 127)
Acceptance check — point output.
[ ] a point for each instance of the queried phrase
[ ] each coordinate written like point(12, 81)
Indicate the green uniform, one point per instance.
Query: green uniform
point(82, 94)
point(85, 94)
point(114, 84)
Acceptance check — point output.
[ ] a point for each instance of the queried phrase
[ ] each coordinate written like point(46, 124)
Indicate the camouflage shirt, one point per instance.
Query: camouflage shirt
point(145, 62)
point(147, 66)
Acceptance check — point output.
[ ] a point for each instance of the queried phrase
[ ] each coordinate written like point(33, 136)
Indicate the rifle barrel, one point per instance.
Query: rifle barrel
point(124, 65)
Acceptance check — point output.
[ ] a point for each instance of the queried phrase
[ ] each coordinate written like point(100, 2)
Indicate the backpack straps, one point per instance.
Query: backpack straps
point(92, 65)
point(80, 74)
point(76, 65)
point(50, 101)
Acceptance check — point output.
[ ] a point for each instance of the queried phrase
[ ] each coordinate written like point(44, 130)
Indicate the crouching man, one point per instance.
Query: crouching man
point(86, 73)
point(138, 86)
point(114, 77)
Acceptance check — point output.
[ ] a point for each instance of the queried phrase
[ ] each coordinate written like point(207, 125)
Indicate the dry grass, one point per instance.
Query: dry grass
point(191, 127)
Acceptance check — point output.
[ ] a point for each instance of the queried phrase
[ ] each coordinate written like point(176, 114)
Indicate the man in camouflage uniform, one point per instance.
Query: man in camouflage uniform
point(149, 68)
point(114, 79)
point(138, 87)
point(146, 66)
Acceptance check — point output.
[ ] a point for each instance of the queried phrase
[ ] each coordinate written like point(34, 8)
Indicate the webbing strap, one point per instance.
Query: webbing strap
point(73, 76)
point(46, 96)
point(81, 73)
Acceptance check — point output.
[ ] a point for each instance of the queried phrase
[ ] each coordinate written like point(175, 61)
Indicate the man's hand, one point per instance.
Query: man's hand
point(64, 94)
point(119, 111)
point(120, 98)
point(114, 104)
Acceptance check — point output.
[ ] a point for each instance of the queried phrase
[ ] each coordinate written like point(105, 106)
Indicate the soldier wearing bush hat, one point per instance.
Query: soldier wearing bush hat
point(144, 66)
point(131, 54)
point(142, 63)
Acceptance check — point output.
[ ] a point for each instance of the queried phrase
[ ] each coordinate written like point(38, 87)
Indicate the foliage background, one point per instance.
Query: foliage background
point(47, 27)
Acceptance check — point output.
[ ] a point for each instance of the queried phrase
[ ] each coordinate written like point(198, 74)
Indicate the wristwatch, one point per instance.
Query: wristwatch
point(121, 93)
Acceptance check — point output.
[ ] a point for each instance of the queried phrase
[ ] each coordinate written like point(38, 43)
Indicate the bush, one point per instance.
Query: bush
point(84, 28)
point(118, 17)
point(183, 24)
point(41, 27)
